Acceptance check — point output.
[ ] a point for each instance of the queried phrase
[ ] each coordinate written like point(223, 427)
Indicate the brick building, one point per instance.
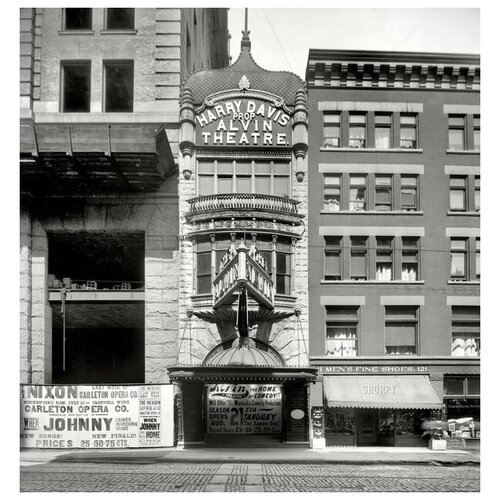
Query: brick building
point(99, 112)
point(394, 242)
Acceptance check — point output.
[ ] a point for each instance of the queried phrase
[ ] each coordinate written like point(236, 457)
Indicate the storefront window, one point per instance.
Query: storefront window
point(409, 422)
point(340, 421)
point(386, 423)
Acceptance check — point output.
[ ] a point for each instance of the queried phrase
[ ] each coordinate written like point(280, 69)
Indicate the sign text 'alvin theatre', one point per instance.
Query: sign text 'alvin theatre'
point(252, 122)
point(244, 408)
point(99, 416)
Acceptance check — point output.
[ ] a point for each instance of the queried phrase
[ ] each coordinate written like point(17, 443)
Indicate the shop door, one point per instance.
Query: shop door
point(367, 427)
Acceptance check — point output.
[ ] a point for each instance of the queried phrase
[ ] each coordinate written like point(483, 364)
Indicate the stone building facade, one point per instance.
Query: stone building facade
point(99, 101)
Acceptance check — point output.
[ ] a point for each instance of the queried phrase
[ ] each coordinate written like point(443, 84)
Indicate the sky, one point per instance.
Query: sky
point(281, 37)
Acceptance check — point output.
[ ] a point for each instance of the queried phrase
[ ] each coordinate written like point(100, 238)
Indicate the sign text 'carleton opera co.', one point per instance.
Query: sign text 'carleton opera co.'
point(99, 416)
point(244, 122)
point(244, 408)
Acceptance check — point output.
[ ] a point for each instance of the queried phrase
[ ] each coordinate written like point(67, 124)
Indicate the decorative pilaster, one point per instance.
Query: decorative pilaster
point(187, 123)
point(299, 133)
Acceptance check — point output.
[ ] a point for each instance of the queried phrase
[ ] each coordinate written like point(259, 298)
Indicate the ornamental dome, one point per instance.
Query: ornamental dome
point(244, 351)
point(207, 82)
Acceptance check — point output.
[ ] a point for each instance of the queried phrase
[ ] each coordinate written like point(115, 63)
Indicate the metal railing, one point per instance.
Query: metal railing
point(230, 201)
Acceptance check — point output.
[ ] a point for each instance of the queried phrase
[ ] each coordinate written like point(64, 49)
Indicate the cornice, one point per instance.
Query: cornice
point(370, 69)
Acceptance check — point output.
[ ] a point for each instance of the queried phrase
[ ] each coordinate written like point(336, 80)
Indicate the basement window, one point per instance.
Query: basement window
point(76, 87)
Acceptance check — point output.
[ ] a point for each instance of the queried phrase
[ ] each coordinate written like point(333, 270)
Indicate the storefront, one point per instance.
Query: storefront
point(377, 409)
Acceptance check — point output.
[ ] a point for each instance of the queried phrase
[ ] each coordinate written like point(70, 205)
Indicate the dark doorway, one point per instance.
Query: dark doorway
point(367, 427)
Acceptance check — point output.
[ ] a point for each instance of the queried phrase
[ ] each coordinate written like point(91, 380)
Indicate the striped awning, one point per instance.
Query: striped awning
point(380, 391)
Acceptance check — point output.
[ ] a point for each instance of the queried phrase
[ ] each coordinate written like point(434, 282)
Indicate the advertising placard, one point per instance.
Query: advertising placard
point(244, 408)
point(97, 416)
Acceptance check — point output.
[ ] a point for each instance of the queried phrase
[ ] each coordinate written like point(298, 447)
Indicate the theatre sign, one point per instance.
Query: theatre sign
point(243, 119)
point(96, 416)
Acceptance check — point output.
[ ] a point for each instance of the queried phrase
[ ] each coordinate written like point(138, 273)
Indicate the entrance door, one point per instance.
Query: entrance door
point(367, 427)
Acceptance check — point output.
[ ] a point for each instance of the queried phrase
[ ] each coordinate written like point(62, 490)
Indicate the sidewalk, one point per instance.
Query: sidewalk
point(331, 455)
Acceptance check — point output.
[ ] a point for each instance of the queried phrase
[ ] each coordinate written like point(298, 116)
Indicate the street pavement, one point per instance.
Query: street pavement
point(69, 476)
point(277, 469)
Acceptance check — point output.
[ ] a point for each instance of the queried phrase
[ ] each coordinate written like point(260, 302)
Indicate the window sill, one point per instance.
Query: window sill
point(373, 212)
point(462, 151)
point(75, 32)
point(466, 214)
point(371, 282)
point(372, 150)
point(464, 282)
point(118, 32)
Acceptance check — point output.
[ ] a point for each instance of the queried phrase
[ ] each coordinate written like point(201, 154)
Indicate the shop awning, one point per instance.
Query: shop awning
point(380, 391)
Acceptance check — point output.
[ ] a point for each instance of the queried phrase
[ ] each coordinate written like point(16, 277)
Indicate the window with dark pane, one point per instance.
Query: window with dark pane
point(409, 194)
point(119, 78)
point(383, 192)
point(77, 19)
point(120, 19)
point(76, 87)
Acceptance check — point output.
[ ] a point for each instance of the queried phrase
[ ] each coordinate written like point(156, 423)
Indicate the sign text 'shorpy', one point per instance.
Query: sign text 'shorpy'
point(243, 122)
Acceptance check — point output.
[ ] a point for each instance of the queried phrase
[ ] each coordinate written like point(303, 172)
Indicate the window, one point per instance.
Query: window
point(477, 132)
point(464, 132)
point(465, 338)
point(384, 259)
point(409, 261)
point(259, 177)
point(273, 249)
point(456, 132)
point(331, 130)
point(357, 192)
point(119, 86)
point(379, 130)
point(478, 258)
point(383, 192)
point(331, 192)
point(477, 194)
point(358, 258)
point(408, 132)
point(464, 193)
point(283, 266)
point(77, 19)
point(119, 19)
point(401, 324)
point(332, 257)
point(204, 267)
point(459, 259)
point(465, 259)
point(462, 399)
point(341, 331)
point(76, 87)
point(357, 130)
point(383, 130)
point(458, 193)
point(409, 196)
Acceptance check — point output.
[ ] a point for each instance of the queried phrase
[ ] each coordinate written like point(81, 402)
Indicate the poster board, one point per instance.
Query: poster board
point(97, 416)
point(244, 408)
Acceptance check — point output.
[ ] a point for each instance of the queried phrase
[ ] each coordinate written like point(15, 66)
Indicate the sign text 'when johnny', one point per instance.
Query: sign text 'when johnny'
point(243, 122)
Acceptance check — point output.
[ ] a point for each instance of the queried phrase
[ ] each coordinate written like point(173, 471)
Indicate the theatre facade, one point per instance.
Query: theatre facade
point(243, 371)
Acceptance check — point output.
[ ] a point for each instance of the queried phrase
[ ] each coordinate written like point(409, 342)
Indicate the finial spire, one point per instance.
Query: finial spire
point(245, 41)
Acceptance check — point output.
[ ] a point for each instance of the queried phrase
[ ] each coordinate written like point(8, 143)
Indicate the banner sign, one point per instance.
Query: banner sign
point(243, 122)
point(387, 369)
point(244, 408)
point(97, 416)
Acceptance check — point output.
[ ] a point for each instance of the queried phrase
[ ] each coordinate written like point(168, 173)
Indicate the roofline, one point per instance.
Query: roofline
point(316, 55)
